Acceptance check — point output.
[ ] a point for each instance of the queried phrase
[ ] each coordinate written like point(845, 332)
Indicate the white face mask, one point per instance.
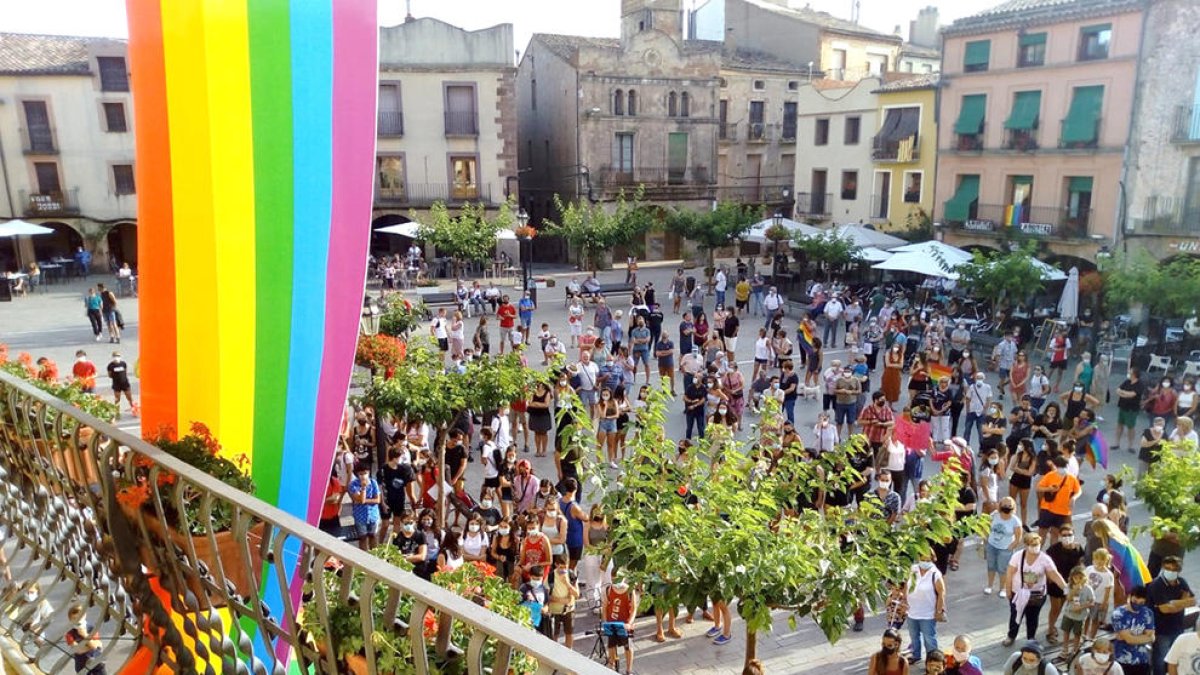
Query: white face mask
point(485, 504)
point(1101, 658)
point(31, 596)
point(504, 531)
point(1033, 550)
point(473, 528)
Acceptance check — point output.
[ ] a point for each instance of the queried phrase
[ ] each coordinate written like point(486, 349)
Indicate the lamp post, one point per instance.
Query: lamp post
point(776, 223)
point(526, 254)
point(369, 323)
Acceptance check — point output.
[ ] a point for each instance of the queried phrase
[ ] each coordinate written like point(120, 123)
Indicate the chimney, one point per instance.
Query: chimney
point(408, 15)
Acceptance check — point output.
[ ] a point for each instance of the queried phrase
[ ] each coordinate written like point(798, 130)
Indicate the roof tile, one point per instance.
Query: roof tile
point(30, 54)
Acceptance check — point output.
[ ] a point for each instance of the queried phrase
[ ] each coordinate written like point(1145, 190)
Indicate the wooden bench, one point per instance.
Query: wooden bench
point(619, 288)
point(438, 299)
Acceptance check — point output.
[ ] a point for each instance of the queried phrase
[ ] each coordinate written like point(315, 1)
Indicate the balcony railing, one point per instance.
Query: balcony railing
point(39, 141)
point(787, 132)
point(814, 204)
point(1161, 214)
point(970, 142)
point(1079, 145)
point(728, 132)
point(63, 203)
point(425, 194)
point(462, 124)
point(1041, 221)
point(1020, 140)
point(653, 177)
point(390, 124)
point(140, 575)
point(889, 151)
point(1187, 125)
point(759, 132)
point(755, 194)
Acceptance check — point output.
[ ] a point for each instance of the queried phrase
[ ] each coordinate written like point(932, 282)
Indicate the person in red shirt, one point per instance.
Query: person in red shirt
point(877, 421)
point(331, 509)
point(84, 372)
point(508, 318)
point(619, 607)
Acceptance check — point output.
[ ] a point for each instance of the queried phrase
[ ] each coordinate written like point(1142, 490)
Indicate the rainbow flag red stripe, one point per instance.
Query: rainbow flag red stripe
point(937, 371)
point(1127, 562)
point(1097, 449)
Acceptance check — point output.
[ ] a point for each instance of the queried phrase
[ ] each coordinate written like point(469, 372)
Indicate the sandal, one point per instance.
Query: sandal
point(658, 637)
point(674, 633)
point(954, 565)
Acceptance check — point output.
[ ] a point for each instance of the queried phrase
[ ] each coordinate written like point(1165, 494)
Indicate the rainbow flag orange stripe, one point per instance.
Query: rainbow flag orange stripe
point(937, 371)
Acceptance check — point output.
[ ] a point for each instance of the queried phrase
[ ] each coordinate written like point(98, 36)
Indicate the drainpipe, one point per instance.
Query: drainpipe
point(1134, 120)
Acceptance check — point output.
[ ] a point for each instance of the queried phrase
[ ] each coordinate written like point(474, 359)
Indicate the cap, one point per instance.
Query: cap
point(1032, 647)
point(116, 353)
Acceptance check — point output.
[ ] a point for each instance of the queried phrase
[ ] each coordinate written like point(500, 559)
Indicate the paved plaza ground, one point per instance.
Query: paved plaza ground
point(53, 323)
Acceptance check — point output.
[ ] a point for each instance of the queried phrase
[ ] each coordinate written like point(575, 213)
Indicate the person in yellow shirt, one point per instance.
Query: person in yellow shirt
point(741, 293)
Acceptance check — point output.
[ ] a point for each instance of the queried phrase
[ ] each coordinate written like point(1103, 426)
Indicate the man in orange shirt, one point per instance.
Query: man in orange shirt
point(1057, 493)
point(84, 371)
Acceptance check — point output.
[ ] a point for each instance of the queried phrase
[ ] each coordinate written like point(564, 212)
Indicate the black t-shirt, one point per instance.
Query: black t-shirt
point(1133, 403)
point(965, 496)
point(731, 326)
point(1146, 453)
point(1159, 592)
point(941, 401)
point(789, 380)
point(991, 441)
point(395, 480)
point(456, 457)
point(655, 321)
point(108, 301)
point(119, 372)
point(409, 544)
point(696, 392)
point(1053, 426)
point(1022, 428)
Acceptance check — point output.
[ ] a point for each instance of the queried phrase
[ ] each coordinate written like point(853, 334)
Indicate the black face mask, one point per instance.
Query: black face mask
point(887, 649)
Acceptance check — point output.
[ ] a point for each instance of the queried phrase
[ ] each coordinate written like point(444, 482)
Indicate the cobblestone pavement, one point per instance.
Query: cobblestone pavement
point(53, 324)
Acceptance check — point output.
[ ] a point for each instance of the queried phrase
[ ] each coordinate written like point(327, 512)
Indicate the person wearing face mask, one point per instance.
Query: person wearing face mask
point(535, 594)
point(723, 416)
point(1004, 537)
point(1097, 661)
point(1029, 570)
point(926, 606)
point(503, 550)
point(1184, 656)
point(1133, 625)
point(36, 613)
point(535, 548)
point(888, 498)
point(1162, 400)
point(1185, 432)
point(1067, 554)
point(893, 364)
point(399, 488)
point(617, 612)
point(1187, 401)
point(1057, 492)
point(1168, 595)
point(84, 643)
point(960, 661)
point(1029, 661)
point(410, 542)
point(888, 661)
point(1152, 442)
point(475, 541)
point(977, 398)
point(825, 434)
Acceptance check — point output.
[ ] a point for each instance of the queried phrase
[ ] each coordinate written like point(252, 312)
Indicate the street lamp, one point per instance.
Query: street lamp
point(776, 223)
point(526, 242)
point(369, 323)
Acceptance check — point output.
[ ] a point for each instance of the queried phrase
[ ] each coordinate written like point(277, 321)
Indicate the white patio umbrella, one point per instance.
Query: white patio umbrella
point(403, 229)
point(864, 236)
point(506, 234)
point(919, 262)
point(15, 228)
point(757, 234)
point(1068, 306)
point(1050, 272)
point(936, 249)
point(872, 254)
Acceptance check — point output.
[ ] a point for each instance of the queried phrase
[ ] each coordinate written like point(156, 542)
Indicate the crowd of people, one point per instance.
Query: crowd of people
point(999, 415)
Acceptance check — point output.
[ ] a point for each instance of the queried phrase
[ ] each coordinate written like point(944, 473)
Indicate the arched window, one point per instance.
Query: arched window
point(632, 103)
point(618, 102)
point(684, 104)
point(672, 105)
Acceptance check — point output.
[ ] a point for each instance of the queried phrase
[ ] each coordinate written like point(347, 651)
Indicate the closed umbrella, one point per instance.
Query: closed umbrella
point(1068, 306)
point(402, 229)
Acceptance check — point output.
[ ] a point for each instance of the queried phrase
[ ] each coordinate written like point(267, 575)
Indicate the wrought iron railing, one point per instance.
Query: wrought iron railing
point(425, 194)
point(186, 600)
point(814, 204)
point(1187, 124)
point(390, 123)
point(62, 203)
point(1038, 221)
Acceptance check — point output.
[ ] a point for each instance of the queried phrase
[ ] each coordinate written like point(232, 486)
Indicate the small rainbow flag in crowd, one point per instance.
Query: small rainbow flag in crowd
point(1097, 449)
point(938, 371)
point(1127, 562)
point(805, 334)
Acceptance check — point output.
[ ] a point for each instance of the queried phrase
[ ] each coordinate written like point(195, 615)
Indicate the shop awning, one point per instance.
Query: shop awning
point(970, 118)
point(1079, 184)
point(1027, 106)
point(1081, 126)
point(1032, 39)
point(958, 207)
point(977, 53)
point(900, 123)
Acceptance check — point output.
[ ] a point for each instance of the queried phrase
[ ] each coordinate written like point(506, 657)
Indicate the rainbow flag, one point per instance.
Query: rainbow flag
point(1012, 214)
point(938, 371)
point(1097, 449)
point(805, 335)
point(1127, 562)
point(255, 123)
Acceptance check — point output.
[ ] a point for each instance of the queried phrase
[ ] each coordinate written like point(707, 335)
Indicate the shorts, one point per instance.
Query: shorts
point(1127, 418)
point(575, 553)
point(642, 355)
point(444, 344)
point(110, 317)
point(587, 396)
point(615, 641)
point(1019, 481)
point(1072, 626)
point(608, 426)
point(997, 559)
point(1048, 520)
point(761, 362)
point(493, 482)
point(120, 388)
point(396, 506)
point(563, 622)
point(731, 344)
point(1098, 614)
point(367, 529)
point(743, 304)
point(1058, 365)
point(844, 413)
point(1004, 373)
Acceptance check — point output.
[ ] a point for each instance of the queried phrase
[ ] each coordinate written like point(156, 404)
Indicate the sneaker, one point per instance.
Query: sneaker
point(98, 337)
point(722, 640)
point(1007, 642)
point(987, 590)
point(1003, 593)
point(613, 465)
point(712, 632)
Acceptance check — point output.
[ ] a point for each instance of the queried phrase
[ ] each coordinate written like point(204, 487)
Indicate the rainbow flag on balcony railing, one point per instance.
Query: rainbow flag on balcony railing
point(1013, 215)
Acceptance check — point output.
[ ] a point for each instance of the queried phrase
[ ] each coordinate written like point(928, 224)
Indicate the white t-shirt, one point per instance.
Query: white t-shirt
point(1039, 386)
point(1101, 582)
point(490, 470)
point(762, 349)
point(501, 432)
point(896, 453)
point(587, 375)
point(1185, 653)
point(826, 438)
point(1073, 466)
point(721, 282)
point(833, 310)
point(988, 484)
point(922, 593)
point(439, 328)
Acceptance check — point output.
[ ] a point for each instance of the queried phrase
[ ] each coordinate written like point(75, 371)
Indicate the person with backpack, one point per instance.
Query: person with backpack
point(112, 316)
point(1029, 661)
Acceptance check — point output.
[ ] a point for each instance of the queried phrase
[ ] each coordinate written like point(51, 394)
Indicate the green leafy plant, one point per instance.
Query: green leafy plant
point(828, 249)
point(1166, 290)
point(918, 226)
point(1003, 278)
point(400, 316)
point(23, 368)
point(379, 353)
point(1169, 489)
point(592, 229)
point(715, 228)
point(469, 236)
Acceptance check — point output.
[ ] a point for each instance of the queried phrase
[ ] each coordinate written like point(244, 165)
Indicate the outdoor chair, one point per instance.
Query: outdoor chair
point(1163, 363)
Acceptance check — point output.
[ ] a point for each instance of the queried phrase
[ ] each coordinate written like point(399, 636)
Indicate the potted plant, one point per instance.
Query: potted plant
point(380, 353)
point(400, 316)
point(1169, 491)
point(210, 533)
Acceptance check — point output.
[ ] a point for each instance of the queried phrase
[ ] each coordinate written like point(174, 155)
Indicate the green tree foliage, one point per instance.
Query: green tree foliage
point(469, 236)
point(917, 226)
point(723, 524)
point(1169, 489)
point(1165, 290)
point(828, 249)
point(399, 315)
point(714, 228)
point(1001, 277)
point(591, 229)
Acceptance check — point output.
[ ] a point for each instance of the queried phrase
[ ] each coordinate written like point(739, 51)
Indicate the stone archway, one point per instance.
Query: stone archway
point(383, 243)
point(122, 244)
point(62, 244)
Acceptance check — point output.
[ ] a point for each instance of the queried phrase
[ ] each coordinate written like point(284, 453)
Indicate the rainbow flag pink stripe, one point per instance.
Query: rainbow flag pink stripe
point(1127, 562)
point(1097, 449)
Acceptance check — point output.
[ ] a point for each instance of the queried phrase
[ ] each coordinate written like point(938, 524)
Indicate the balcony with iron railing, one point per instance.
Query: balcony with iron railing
point(762, 193)
point(787, 132)
point(1187, 124)
point(969, 142)
point(1040, 221)
point(63, 203)
point(425, 194)
point(727, 132)
point(759, 132)
point(1079, 145)
point(390, 124)
point(814, 204)
point(1021, 140)
point(153, 575)
point(653, 176)
point(462, 123)
point(1162, 214)
point(39, 141)
point(896, 151)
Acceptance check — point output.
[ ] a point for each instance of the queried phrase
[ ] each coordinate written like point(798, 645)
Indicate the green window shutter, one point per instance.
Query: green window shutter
point(1098, 28)
point(970, 118)
point(977, 54)
point(1080, 125)
point(1022, 180)
point(1032, 39)
point(1079, 184)
point(1027, 106)
point(958, 207)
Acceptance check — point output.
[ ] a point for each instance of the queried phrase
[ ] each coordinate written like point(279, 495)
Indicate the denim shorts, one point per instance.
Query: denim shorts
point(587, 396)
point(367, 529)
point(997, 559)
point(642, 355)
point(608, 426)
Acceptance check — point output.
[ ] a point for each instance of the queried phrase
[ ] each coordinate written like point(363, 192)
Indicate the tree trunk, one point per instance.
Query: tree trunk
point(751, 647)
point(440, 444)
